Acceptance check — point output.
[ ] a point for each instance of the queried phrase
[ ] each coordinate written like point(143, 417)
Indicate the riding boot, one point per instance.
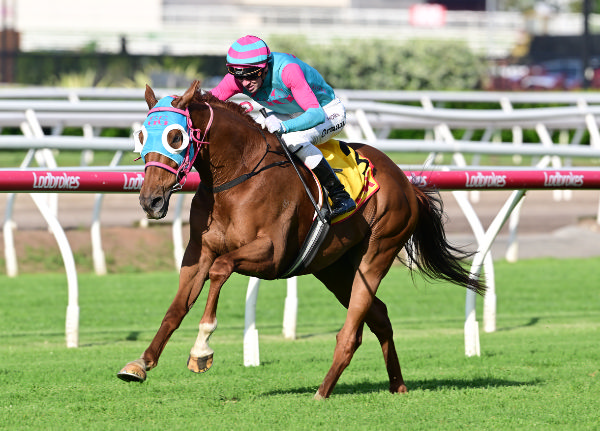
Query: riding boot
point(341, 200)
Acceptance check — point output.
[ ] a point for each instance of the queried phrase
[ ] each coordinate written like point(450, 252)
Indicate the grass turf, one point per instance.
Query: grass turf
point(540, 369)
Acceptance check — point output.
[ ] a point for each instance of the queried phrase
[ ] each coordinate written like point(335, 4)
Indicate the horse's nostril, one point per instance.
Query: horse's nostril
point(157, 203)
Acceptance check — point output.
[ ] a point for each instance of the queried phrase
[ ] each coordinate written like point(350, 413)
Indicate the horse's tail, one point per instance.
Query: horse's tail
point(431, 252)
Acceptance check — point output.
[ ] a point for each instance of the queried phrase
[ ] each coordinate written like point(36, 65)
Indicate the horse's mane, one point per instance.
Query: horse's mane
point(201, 98)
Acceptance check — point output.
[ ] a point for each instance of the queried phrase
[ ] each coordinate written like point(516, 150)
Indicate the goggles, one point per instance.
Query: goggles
point(245, 72)
point(153, 135)
point(140, 137)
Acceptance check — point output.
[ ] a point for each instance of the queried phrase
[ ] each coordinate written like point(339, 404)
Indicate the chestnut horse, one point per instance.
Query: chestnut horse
point(256, 223)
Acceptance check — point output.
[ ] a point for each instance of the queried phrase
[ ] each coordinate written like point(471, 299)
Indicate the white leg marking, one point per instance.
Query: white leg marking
point(201, 348)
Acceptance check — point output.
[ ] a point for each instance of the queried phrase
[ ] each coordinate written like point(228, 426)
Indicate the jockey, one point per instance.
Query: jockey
point(304, 107)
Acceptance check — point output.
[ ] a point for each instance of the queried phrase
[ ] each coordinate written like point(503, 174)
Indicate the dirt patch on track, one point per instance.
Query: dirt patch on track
point(126, 249)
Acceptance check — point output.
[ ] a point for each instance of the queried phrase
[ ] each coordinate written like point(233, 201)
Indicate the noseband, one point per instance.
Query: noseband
point(196, 137)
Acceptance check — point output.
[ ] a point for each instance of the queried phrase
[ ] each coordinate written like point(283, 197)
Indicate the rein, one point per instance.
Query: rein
point(253, 172)
point(198, 138)
point(322, 214)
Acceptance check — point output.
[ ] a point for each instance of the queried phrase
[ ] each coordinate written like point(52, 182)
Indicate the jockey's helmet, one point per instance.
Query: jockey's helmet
point(247, 57)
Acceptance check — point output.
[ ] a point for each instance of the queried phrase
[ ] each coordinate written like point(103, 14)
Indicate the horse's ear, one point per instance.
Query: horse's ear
point(183, 101)
point(151, 99)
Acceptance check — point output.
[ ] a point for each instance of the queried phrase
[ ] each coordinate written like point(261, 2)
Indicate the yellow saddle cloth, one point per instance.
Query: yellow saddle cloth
point(354, 172)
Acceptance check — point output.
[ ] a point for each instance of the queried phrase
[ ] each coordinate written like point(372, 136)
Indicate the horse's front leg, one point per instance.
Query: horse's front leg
point(255, 257)
point(201, 355)
point(191, 280)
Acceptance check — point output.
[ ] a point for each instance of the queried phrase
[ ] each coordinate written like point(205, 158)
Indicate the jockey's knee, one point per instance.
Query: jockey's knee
point(310, 155)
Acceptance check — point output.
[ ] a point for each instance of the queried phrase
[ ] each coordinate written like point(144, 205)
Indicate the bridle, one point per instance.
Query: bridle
point(176, 119)
point(195, 135)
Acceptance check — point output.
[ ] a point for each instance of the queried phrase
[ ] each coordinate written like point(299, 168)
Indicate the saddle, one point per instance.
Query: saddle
point(353, 171)
point(356, 174)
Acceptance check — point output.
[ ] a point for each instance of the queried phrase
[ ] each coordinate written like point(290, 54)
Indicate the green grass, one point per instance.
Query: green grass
point(541, 369)
point(12, 159)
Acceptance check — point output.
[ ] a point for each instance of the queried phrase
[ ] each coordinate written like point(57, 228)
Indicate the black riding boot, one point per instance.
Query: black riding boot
point(341, 200)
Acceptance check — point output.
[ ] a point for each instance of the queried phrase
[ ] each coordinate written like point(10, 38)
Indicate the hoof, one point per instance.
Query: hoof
point(402, 389)
point(200, 365)
point(133, 372)
point(318, 396)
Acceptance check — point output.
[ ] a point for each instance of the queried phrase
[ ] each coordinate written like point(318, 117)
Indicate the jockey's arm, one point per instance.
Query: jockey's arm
point(313, 114)
point(226, 88)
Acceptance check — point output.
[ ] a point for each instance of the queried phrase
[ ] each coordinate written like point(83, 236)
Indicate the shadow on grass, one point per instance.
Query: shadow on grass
point(414, 385)
point(133, 336)
point(532, 322)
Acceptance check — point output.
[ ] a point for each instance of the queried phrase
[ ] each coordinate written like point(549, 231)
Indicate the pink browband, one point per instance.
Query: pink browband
point(197, 138)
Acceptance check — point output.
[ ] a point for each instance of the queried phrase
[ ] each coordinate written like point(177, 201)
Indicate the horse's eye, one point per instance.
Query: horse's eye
point(175, 139)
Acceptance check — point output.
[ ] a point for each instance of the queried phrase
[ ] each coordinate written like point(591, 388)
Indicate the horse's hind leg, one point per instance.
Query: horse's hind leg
point(376, 319)
point(356, 291)
point(379, 323)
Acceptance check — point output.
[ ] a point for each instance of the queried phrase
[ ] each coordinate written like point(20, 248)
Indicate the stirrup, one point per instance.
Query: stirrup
point(342, 207)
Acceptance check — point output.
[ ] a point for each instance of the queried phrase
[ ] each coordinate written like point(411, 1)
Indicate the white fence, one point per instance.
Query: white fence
point(42, 114)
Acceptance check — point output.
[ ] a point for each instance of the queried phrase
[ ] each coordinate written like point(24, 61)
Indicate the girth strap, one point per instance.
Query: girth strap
point(316, 235)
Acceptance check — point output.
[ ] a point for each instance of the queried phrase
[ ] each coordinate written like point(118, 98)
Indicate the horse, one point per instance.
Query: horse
point(251, 214)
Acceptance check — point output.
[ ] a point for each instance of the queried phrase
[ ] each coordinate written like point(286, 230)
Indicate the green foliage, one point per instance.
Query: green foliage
point(155, 74)
point(385, 65)
point(99, 69)
point(354, 64)
point(576, 6)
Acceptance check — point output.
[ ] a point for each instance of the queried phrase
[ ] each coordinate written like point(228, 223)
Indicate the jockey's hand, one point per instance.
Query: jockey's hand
point(274, 124)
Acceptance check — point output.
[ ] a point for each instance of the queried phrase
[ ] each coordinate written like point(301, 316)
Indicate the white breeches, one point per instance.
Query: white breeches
point(302, 143)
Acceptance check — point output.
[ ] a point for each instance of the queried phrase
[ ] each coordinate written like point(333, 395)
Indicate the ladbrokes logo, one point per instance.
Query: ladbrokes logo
point(560, 180)
point(60, 182)
point(133, 183)
point(492, 180)
point(418, 180)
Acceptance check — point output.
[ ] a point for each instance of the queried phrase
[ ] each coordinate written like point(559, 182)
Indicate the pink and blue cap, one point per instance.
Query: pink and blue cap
point(248, 51)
